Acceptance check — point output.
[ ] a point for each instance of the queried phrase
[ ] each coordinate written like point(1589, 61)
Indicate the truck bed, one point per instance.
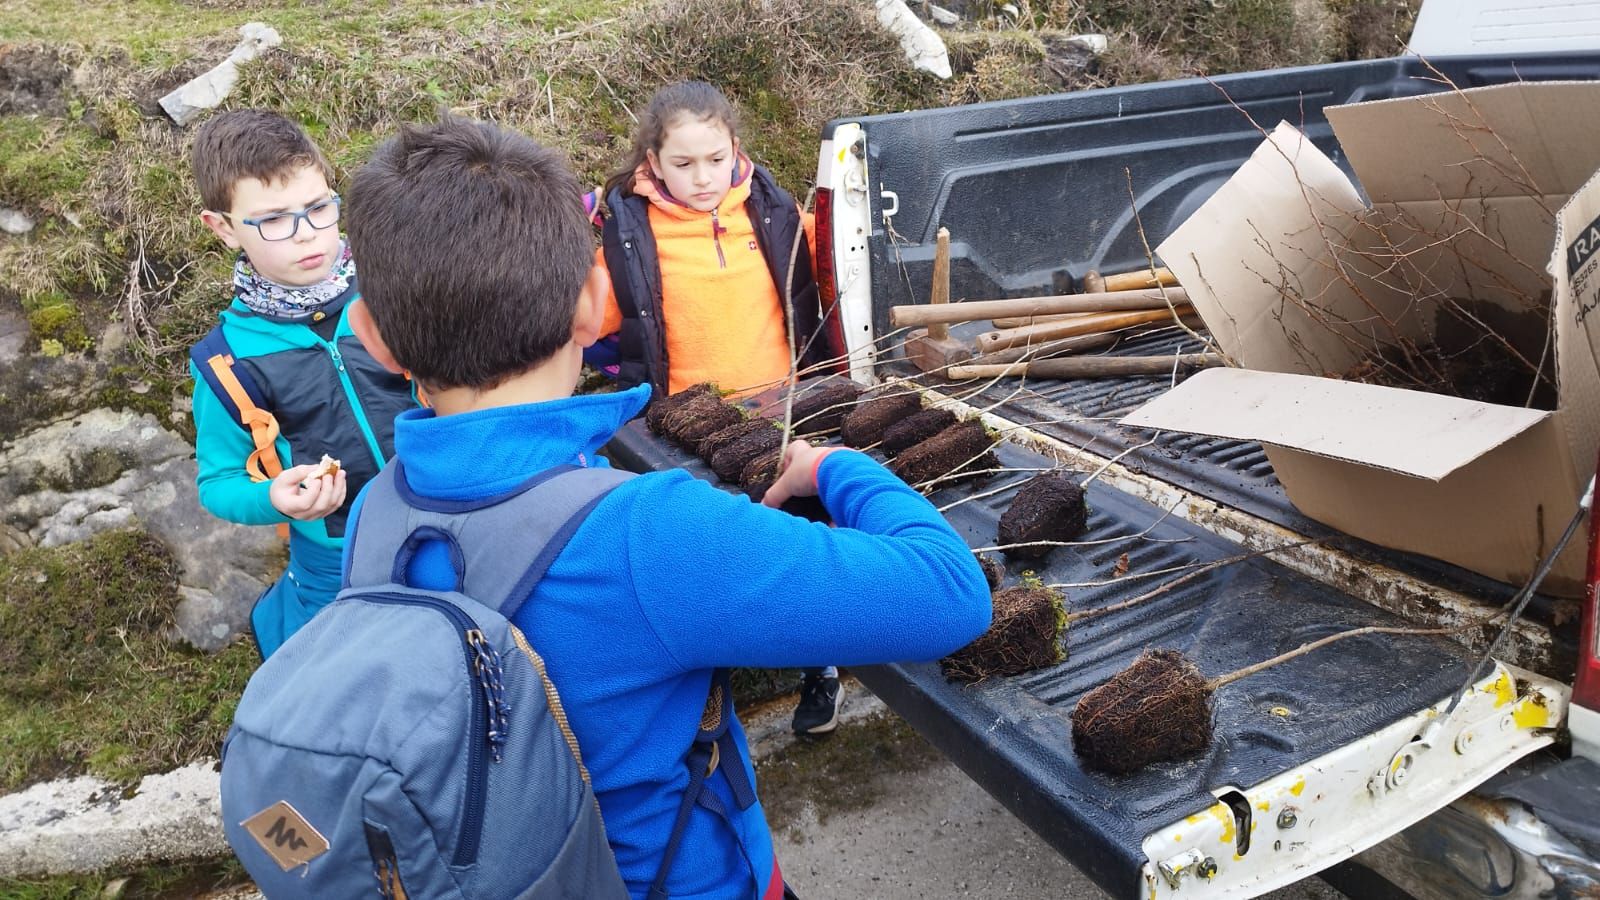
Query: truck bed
point(1013, 735)
point(1038, 191)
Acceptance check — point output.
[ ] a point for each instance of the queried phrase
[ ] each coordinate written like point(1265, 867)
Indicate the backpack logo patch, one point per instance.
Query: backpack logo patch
point(286, 835)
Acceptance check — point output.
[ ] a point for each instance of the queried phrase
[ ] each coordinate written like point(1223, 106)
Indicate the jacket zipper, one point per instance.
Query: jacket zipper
point(355, 404)
point(716, 238)
point(489, 711)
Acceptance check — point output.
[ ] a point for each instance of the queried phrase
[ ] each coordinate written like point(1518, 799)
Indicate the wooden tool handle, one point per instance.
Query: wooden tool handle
point(1089, 366)
point(1065, 346)
point(1034, 334)
point(1134, 281)
point(1025, 321)
point(979, 310)
point(939, 295)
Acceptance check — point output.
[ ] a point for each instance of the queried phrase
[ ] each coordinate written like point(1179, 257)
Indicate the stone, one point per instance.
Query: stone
point(14, 333)
point(942, 16)
point(208, 90)
point(85, 825)
point(922, 45)
point(15, 221)
point(109, 469)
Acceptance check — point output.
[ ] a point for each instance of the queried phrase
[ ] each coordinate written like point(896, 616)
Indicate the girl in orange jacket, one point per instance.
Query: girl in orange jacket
point(698, 244)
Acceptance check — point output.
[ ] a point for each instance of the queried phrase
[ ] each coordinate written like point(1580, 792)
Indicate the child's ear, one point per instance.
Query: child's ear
point(588, 318)
point(366, 330)
point(220, 227)
point(654, 161)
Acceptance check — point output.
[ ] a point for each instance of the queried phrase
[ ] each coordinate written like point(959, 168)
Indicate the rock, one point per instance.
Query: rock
point(114, 469)
point(33, 79)
point(15, 221)
point(210, 620)
point(84, 824)
point(13, 336)
point(211, 88)
point(942, 16)
point(1068, 56)
point(923, 46)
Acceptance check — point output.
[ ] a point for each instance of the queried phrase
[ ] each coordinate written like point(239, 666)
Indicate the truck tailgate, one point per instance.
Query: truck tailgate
point(1306, 736)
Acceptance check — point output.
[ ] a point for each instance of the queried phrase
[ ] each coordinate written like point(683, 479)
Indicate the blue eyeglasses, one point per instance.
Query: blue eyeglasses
point(283, 225)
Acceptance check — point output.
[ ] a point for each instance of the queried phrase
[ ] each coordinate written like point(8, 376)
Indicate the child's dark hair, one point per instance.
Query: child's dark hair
point(692, 98)
point(249, 143)
point(473, 246)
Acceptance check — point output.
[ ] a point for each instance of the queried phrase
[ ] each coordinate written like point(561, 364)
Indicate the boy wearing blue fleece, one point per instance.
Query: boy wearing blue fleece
point(478, 281)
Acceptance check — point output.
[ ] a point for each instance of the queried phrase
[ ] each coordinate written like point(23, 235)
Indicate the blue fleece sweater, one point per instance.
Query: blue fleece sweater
point(669, 578)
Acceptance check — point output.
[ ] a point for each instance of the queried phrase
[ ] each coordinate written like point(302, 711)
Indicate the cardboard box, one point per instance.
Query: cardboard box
point(1299, 281)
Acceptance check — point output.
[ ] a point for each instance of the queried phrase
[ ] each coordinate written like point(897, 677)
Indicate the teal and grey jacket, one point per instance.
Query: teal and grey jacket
point(328, 397)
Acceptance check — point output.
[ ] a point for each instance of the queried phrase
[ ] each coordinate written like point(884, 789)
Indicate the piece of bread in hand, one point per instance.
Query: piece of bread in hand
point(327, 465)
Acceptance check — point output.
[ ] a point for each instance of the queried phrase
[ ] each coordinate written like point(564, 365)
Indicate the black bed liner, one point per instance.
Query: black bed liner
point(1012, 735)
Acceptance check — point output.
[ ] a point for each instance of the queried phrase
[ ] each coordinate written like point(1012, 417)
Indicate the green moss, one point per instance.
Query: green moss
point(85, 628)
point(176, 881)
point(45, 163)
point(55, 318)
point(851, 770)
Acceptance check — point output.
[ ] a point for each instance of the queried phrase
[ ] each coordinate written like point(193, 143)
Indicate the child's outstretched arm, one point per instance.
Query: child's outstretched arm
point(221, 447)
point(724, 582)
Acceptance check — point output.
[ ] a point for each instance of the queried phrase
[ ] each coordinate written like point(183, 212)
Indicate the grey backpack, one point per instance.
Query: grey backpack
point(407, 743)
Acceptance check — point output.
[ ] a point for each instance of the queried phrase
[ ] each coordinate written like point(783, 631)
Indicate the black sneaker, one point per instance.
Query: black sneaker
point(818, 710)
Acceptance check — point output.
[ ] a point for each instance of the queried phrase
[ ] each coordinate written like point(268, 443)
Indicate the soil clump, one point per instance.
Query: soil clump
point(730, 460)
point(1050, 507)
point(655, 415)
point(1024, 635)
point(716, 440)
point(994, 571)
point(1155, 710)
point(698, 418)
point(914, 429)
point(823, 408)
point(964, 449)
point(864, 425)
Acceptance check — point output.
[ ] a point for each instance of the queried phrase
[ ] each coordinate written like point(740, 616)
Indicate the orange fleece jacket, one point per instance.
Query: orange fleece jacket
point(724, 322)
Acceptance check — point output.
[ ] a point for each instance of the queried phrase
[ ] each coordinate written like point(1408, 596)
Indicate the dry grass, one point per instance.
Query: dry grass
point(106, 175)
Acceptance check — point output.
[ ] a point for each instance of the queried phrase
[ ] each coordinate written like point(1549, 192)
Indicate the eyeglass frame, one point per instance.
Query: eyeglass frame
point(303, 214)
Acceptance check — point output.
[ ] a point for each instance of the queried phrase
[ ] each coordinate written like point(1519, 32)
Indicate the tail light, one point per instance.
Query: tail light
point(1586, 689)
point(827, 287)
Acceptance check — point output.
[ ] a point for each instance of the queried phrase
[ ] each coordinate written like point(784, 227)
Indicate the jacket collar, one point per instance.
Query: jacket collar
point(477, 454)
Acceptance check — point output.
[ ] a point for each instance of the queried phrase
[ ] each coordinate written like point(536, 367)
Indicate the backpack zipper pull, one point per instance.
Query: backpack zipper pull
point(487, 670)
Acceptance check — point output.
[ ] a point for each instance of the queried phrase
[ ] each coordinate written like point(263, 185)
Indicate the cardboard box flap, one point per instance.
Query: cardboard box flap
point(1273, 230)
point(1575, 265)
point(1519, 139)
point(1414, 433)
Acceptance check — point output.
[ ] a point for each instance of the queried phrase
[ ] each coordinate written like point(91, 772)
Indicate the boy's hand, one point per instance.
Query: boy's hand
point(799, 475)
point(299, 494)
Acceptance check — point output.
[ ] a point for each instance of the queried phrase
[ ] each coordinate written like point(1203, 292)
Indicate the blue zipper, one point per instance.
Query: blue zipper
point(355, 403)
point(472, 640)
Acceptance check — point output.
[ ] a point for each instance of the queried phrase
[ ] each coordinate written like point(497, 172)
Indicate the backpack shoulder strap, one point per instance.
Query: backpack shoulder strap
point(243, 398)
point(500, 546)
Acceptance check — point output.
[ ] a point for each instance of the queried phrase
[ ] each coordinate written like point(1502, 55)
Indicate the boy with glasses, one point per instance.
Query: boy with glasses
point(292, 414)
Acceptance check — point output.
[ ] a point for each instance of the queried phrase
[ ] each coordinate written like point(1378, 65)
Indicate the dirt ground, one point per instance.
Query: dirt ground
point(876, 814)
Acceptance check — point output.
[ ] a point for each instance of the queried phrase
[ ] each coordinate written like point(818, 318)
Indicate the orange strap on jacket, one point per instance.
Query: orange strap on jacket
point(263, 463)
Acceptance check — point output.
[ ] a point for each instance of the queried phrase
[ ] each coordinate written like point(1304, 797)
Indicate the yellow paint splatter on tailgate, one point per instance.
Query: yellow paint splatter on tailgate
point(1224, 814)
point(1298, 786)
point(1531, 712)
point(1503, 690)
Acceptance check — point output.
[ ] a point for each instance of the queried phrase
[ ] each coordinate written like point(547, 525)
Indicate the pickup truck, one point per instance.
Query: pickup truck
point(1342, 762)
